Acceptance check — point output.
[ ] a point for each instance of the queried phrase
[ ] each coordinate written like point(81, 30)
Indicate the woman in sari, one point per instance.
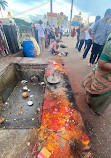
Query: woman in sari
point(98, 83)
point(73, 32)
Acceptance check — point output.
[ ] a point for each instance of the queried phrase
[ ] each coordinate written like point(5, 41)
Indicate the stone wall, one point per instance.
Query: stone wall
point(8, 81)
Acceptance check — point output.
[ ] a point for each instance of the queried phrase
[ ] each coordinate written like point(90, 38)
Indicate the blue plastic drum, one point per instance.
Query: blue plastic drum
point(28, 49)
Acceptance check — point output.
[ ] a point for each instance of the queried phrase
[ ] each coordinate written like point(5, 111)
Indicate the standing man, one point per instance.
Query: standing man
point(89, 38)
point(61, 32)
point(36, 34)
point(99, 34)
point(48, 32)
point(82, 37)
point(53, 32)
point(41, 36)
point(78, 35)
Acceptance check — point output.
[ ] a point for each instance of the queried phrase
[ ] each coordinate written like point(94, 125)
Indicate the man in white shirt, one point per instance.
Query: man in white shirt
point(41, 36)
point(61, 32)
point(89, 38)
point(86, 38)
point(53, 32)
point(48, 32)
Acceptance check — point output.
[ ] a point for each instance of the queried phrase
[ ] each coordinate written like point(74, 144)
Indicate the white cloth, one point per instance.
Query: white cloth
point(87, 32)
point(41, 31)
point(87, 36)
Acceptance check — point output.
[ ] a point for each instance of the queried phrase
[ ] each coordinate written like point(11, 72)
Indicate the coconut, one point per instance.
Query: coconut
point(25, 88)
point(23, 82)
point(2, 120)
point(25, 95)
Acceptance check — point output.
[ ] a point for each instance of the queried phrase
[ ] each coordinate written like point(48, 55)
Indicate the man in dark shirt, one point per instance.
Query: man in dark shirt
point(78, 35)
point(100, 32)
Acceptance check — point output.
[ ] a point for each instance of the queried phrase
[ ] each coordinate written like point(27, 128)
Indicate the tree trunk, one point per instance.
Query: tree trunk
point(1, 13)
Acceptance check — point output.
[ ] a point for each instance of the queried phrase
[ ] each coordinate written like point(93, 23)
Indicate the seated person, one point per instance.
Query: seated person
point(54, 47)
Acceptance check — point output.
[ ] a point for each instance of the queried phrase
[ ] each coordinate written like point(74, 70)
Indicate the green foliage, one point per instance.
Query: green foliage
point(22, 24)
point(3, 4)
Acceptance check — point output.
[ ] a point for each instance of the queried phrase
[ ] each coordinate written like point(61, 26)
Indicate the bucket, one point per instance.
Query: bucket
point(28, 49)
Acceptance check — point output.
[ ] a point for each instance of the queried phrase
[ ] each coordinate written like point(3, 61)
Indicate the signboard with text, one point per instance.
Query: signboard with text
point(52, 19)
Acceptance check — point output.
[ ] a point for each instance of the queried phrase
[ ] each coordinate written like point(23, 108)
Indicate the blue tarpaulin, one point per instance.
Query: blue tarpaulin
point(75, 23)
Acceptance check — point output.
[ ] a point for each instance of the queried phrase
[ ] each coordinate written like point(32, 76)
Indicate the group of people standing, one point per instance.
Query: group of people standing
point(98, 83)
point(97, 36)
point(94, 36)
point(45, 35)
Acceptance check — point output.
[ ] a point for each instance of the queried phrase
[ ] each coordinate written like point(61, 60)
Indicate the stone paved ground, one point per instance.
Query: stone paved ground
point(15, 143)
point(98, 128)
